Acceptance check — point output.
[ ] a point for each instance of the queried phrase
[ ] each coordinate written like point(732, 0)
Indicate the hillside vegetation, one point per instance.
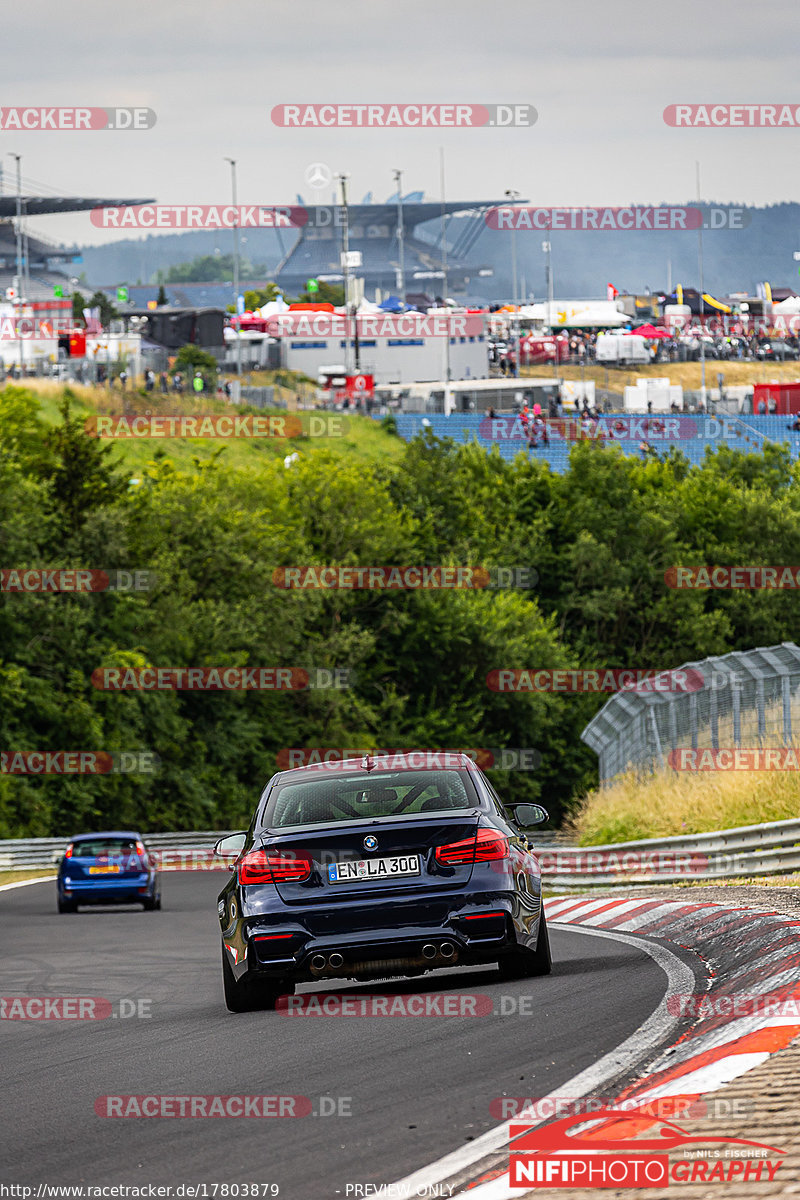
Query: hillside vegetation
point(212, 520)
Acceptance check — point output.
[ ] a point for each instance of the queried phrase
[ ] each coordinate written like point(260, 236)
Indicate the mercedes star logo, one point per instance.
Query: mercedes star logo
point(318, 175)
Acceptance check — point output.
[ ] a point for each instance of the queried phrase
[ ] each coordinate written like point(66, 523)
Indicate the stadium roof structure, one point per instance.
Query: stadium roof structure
point(41, 206)
point(39, 252)
point(372, 230)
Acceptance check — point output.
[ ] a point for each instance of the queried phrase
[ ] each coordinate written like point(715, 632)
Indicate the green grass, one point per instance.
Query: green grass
point(363, 438)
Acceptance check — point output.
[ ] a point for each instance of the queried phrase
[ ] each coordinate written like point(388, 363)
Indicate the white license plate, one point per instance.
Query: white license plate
point(374, 868)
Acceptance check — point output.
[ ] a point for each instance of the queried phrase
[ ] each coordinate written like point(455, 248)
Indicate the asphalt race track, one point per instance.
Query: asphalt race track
point(416, 1087)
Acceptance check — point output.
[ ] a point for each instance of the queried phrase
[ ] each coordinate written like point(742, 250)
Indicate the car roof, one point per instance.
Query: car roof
point(108, 833)
point(403, 760)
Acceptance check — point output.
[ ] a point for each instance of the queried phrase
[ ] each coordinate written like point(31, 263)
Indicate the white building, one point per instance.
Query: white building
point(392, 360)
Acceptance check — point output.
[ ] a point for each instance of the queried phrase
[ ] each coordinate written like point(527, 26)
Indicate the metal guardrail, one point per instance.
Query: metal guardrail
point(768, 849)
point(22, 854)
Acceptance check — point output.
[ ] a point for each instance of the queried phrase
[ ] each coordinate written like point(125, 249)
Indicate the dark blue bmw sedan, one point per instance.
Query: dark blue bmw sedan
point(379, 867)
point(107, 868)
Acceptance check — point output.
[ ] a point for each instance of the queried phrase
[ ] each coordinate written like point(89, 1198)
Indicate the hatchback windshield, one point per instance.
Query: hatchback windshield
point(101, 847)
point(331, 799)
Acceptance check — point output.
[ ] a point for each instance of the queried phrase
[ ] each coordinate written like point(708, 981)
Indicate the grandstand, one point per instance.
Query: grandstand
point(373, 230)
point(41, 257)
point(749, 435)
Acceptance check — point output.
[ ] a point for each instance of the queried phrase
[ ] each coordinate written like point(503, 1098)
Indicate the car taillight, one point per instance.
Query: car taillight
point(140, 849)
point(272, 866)
point(486, 846)
point(68, 851)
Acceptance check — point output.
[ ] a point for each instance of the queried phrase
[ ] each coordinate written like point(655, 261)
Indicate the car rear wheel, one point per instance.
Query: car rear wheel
point(251, 995)
point(67, 906)
point(152, 903)
point(522, 963)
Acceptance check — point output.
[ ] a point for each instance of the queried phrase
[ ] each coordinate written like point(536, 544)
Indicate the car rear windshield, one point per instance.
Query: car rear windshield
point(365, 796)
point(102, 847)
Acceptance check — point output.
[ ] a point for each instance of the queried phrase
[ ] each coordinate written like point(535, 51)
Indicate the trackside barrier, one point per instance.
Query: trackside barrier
point(767, 849)
point(178, 851)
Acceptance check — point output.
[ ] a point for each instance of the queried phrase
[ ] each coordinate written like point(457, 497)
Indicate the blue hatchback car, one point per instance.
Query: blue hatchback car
point(379, 867)
point(107, 868)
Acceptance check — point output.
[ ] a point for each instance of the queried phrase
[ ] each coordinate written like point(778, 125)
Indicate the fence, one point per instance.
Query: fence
point(747, 698)
point(262, 397)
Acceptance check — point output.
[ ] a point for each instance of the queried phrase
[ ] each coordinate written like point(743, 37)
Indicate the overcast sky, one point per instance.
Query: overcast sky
point(599, 75)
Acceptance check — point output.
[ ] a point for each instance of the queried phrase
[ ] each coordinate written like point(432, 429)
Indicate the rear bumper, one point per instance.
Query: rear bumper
point(108, 891)
point(301, 957)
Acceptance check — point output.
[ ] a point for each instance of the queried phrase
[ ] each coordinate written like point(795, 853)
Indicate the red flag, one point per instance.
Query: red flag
point(611, 291)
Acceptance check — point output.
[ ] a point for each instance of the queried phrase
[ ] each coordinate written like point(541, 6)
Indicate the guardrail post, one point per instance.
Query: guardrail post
point(693, 718)
point(786, 688)
point(673, 725)
point(714, 716)
point(736, 699)
point(761, 710)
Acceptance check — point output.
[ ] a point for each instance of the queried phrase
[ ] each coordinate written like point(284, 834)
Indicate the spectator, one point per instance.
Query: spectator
point(198, 382)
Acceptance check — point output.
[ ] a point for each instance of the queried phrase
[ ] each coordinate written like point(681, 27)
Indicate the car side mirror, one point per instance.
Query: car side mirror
point(230, 846)
point(526, 815)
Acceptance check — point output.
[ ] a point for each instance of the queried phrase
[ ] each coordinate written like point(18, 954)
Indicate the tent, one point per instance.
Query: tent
point(651, 331)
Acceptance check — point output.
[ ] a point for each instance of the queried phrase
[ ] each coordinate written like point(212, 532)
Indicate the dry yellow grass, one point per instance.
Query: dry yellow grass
point(31, 873)
point(688, 375)
point(669, 803)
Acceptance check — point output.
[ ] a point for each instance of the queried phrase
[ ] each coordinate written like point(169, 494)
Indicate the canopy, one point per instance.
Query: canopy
point(651, 331)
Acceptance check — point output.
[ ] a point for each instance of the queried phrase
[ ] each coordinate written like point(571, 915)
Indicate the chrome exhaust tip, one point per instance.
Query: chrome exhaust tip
point(429, 950)
point(335, 960)
point(447, 949)
point(318, 962)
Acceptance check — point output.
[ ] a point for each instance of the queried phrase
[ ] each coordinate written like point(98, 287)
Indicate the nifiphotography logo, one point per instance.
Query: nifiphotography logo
point(551, 1156)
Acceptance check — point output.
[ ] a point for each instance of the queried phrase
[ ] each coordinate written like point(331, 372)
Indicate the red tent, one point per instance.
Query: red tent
point(650, 331)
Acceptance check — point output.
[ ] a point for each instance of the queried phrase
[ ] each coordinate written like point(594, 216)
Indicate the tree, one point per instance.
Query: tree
point(161, 299)
point(257, 297)
point(78, 305)
point(207, 268)
point(108, 312)
point(84, 475)
point(328, 293)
